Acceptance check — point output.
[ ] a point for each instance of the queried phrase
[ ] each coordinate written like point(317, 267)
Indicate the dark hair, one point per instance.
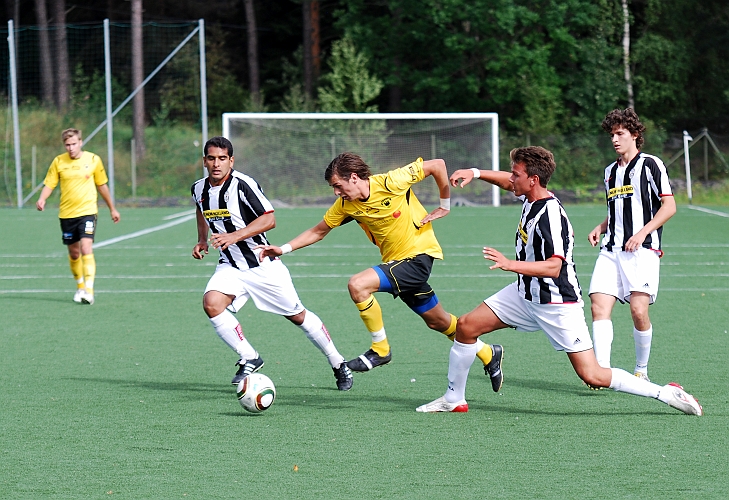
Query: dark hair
point(537, 161)
point(218, 142)
point(628, 119)
point(345, 165)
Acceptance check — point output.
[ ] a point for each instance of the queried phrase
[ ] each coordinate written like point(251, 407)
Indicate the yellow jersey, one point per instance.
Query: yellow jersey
point(391, 215)
point(78, 179)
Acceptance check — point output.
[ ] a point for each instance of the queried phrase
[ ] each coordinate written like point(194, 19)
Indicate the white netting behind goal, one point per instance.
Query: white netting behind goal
point(288, 153)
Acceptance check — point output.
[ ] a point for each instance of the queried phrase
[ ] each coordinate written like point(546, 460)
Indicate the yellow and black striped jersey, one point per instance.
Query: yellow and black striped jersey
point(78, 179)
point(391, 215)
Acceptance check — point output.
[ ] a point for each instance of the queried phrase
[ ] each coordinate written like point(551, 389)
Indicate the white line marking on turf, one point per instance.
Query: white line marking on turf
point(708, 211)
point(179, 214)
point(180, 220)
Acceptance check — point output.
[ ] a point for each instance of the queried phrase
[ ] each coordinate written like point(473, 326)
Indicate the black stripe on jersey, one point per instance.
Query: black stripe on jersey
point(611, 206)
point(542, 248)
point(628, 201)
point(522, 256)
point(252, 212)
point(388, 189)
point(228, 224)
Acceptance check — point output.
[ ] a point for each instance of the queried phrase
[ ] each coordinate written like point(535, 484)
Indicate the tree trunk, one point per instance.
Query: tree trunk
point(312, 46)
point(137, 78)
point(46, 63)
point(63, 72)
point(626, 53)
point(253, 73)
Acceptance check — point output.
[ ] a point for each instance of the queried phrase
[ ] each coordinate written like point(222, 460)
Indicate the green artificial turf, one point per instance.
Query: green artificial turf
point(131, 397)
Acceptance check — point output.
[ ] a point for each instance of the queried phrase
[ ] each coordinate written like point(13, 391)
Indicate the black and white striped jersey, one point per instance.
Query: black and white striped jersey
point(633, 194)
point(232, 206)
point(544, 231)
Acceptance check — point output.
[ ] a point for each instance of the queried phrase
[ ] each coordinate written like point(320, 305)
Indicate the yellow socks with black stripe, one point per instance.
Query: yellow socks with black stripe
point(77, 269)
point(89, 265)
point(484, 350)
point(371, 314)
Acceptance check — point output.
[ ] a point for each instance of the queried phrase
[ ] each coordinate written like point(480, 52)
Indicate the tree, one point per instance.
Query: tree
point(312, 47)
point(63, 71)
point(626, 53)
point(253, 70)
point(137, 79)
point(46, 62)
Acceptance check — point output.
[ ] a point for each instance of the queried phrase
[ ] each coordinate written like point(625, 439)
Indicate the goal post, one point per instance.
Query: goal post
point(288, 152)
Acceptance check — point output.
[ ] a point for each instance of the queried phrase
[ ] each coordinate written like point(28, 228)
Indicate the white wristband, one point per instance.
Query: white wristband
point(476, 173)
point(445, 203)
point(286, 249)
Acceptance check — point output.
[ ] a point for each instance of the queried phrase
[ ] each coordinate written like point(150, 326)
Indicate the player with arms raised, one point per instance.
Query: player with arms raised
point(233, 206)
point(546, 295)
point(392, 217)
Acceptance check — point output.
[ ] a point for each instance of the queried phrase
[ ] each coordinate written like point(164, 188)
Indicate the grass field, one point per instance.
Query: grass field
point(131, 397)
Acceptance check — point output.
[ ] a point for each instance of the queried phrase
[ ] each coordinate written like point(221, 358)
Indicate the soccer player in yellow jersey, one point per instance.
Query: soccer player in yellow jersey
point(80, 175)
point(394, 220)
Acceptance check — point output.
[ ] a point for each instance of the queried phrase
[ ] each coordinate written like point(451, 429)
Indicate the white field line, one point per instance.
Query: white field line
point(129, 236)
point(179, 214)
point(708, 211)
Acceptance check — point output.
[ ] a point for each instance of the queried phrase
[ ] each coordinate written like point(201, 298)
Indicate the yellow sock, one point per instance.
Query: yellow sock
point(382, 347)
point(77, 269)
point(451, 331)
point(89, 271)
point(371, 314)
point(485, 354)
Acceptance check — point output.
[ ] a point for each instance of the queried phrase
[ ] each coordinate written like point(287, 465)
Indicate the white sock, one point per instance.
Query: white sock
point(602, 339)
point(623, 381)
point(228, 329)
point(459, 362)
point(319, 336)
point(642, 348)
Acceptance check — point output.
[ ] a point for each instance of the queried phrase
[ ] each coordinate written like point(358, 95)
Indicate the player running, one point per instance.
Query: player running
point(233, 206)
point(639, 202)
point(546, 295)
point(392, 217)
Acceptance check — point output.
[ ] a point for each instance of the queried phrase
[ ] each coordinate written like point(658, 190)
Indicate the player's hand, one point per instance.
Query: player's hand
point(635, 242)
point(464, 175)
point(268, 251)
point(199, 250)
point(594, 236)
point(501, 262)
point(438, 213)
point(40, 205)
point(115, 216)
point(222, 241)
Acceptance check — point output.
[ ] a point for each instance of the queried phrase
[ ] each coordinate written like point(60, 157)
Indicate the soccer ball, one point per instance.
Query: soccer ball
point(256, 392)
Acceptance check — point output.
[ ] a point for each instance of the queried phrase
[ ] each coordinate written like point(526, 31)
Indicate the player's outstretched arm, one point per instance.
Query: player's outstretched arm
point(201, 248)
point(496, 177)
point(106, 195)
point(549, 268)
point(308, 237)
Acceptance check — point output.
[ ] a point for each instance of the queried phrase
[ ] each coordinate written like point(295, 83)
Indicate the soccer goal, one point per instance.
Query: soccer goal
point(288, 152)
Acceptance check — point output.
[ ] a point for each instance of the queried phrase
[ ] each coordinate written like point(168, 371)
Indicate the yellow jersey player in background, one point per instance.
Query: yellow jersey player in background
point(394, 220)
point(80, 174)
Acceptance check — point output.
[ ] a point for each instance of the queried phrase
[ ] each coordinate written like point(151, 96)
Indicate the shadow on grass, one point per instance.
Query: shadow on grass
point(157, 386)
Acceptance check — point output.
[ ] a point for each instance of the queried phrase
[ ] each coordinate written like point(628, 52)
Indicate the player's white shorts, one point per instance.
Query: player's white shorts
point(621, 273)
point(269, 285)
point(564, 324)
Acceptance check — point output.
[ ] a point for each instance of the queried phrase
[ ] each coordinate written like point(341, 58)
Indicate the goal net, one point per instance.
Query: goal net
point(287, 153)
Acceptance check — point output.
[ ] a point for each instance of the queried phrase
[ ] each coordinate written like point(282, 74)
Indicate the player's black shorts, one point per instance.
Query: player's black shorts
point(78, 227)
point(408, 279)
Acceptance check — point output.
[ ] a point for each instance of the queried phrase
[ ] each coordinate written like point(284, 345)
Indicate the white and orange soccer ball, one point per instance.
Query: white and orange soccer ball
point(256, 393)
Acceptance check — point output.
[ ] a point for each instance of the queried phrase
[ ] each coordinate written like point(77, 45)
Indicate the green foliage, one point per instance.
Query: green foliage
point(349, 86)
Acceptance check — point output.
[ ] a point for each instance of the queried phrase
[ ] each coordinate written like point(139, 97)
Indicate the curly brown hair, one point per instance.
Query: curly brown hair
point(628, 119)
point(537, 161)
